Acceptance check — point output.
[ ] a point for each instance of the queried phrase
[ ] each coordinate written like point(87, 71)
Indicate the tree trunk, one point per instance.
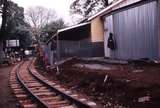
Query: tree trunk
point(4, 19)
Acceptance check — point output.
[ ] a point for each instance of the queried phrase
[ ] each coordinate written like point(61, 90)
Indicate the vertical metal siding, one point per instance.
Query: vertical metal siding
point(82, 48)
point(158, 27)
point(108, 28)
point(135, 32)
point(50, 54)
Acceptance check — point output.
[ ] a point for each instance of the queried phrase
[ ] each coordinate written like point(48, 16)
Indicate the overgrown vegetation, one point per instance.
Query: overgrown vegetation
point(86, 8)
point(13, 25)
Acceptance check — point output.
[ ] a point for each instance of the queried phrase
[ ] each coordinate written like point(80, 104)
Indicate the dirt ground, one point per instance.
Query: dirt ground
point(112, 85)
point(7, 99)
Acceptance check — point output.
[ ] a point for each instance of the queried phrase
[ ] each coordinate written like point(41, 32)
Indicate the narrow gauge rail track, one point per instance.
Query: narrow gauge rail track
point(35, 91)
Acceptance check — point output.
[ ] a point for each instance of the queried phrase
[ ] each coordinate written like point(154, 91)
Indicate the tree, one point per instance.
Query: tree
point(50, 29)
point(86, 8)
point(38, 17)
point(13, 25)
point(16, 27)
point(15, 17)
point(4, 6)
point(24, 35)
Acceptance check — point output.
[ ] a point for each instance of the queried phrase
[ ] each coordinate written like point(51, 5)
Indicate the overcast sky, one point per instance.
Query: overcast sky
point(60, 6)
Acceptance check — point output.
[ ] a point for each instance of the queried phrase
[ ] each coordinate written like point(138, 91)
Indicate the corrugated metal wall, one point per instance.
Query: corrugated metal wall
point(82, 48)
point(47, 53)
point(50, 54)
point(158, 27)
point(135, 32)
point(108, 29)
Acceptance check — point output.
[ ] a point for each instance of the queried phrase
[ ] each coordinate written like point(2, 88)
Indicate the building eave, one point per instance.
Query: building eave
point(72, 27)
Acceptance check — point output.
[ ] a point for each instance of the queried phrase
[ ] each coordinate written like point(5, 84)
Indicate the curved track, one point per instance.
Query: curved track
point(35, 91)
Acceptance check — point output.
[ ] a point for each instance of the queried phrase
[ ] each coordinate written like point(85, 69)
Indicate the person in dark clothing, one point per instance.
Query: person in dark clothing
point(111, 42)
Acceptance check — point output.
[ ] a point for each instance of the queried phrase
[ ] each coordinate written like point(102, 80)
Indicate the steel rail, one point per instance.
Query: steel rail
point(35, 98)
point(79, 104)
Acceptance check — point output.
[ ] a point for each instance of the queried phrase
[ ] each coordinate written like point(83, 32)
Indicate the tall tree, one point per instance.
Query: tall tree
point(15, 17)
point(16, 27)
point(4, 6)
point(13, 25)
point(86, 8)
point(38, 17)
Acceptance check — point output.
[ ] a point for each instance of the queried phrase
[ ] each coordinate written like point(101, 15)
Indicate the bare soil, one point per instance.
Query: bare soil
point(7, 99)
point(121, 86)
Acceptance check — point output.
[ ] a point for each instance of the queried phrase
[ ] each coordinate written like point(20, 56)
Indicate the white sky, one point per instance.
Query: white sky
point(60, 6)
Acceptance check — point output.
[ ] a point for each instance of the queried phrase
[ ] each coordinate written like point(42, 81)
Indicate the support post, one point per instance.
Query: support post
point(58, 57)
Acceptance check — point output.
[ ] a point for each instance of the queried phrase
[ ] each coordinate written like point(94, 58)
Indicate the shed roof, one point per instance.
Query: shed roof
point(68, 29)
point(77, 32)
point(72, 27)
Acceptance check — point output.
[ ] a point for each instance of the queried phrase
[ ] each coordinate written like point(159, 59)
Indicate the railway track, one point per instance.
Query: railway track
point(35, 91)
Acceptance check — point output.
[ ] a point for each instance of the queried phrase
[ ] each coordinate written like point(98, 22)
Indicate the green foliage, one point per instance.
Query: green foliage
point(16, 27)
point(86, 8)
point(3, 8)
point(15, 17)
point(50, 29)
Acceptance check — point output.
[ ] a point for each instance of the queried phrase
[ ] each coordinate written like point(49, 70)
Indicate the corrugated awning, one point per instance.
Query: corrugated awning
point(76, 32)
point(73, 27)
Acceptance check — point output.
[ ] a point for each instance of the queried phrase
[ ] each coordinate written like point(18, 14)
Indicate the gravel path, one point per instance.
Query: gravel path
point(7, 100)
